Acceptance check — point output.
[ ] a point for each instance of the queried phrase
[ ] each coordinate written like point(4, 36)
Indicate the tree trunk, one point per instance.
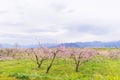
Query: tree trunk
point(48, 68)
point(39, 65)
point(51, 64)
point(77, 67)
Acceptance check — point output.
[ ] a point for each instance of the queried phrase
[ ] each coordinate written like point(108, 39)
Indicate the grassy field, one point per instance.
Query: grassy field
point(101, 68)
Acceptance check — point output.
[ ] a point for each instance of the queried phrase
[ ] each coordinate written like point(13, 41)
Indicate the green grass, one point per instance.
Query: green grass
point(100, 68)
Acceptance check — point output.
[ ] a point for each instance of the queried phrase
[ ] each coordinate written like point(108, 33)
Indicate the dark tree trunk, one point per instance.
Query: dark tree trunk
point(51, 64)
point(39, 64)
point(77, 67)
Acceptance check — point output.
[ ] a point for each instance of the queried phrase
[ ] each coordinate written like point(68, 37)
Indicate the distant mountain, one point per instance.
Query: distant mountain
point(94, 44)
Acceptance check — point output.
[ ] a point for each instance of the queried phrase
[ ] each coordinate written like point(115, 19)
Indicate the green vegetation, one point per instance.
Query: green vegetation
point(99, 68)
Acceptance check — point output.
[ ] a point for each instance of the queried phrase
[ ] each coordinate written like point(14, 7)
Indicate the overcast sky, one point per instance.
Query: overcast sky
point(57, 21)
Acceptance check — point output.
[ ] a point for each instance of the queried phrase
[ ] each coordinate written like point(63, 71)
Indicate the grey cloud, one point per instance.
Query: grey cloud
point(26, 38)
point(40, 30)
point(58, 7)
point(12, 24)
point(95, 30)
point(71, 11)
point(3, 12)
point(12, 35)
point(75, 20)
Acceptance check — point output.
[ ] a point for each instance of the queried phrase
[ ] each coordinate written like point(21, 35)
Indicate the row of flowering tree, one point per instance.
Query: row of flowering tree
point(79, 56)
